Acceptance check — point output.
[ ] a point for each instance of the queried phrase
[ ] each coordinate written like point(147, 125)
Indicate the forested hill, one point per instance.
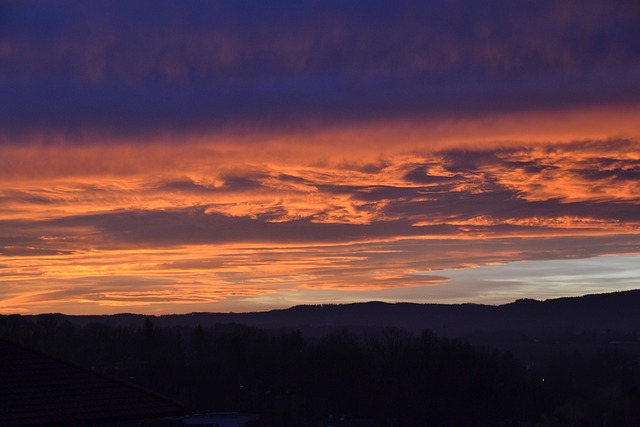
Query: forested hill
point(619, 312)
point(561, 362)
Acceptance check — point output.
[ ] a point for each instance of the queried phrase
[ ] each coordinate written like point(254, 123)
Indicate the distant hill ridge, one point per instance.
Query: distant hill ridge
point(616, 311)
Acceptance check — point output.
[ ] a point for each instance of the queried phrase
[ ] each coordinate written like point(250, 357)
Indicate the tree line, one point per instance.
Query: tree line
point(391, 376)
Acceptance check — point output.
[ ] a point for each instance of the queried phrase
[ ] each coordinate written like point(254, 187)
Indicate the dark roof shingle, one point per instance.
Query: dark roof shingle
point(38, 389)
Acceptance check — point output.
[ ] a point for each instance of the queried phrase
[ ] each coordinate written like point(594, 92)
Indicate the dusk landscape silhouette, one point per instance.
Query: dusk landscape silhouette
point(359, 213)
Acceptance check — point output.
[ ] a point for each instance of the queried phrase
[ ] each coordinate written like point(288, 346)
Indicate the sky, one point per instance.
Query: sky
point(184, 156)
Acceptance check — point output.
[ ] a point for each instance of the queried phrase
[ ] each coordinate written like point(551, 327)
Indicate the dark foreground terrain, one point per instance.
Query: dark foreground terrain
point(487, 366)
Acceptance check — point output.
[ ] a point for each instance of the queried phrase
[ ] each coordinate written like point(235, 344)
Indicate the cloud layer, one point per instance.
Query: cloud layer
point(76, 70)
point(240, 236)
point(178, 156)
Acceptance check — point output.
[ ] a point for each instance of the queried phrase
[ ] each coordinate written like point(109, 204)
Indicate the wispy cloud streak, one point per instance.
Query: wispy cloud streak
point(268, 228)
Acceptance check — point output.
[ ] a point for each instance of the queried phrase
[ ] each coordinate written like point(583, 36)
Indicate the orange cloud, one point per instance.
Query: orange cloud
point(199, 226)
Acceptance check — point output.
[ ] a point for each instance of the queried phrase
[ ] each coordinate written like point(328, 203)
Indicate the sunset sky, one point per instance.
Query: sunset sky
point(179, 156)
